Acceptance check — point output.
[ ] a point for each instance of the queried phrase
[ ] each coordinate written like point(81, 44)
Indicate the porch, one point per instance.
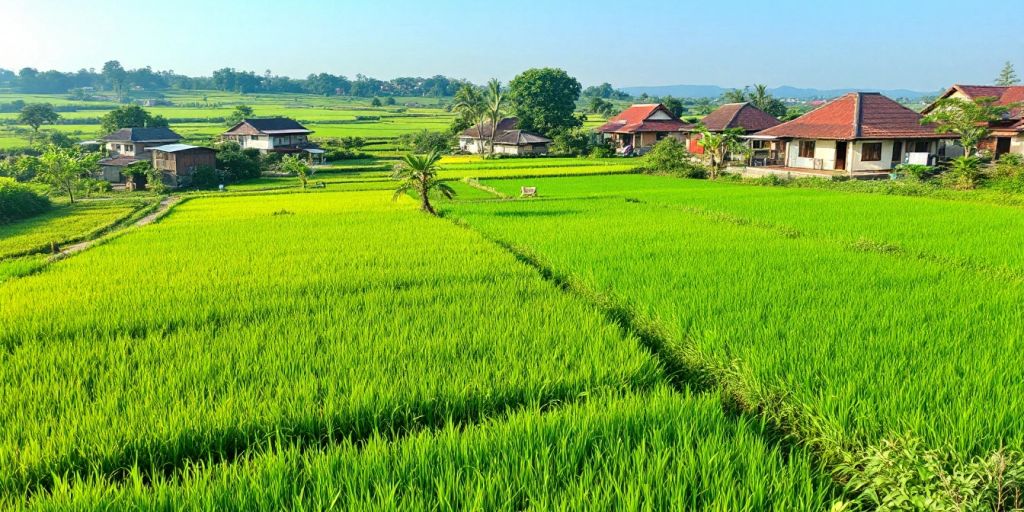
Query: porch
point(799, 172)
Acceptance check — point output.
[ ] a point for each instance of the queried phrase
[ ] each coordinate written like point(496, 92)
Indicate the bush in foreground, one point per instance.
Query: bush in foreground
point(19, 201)
point(669, 156)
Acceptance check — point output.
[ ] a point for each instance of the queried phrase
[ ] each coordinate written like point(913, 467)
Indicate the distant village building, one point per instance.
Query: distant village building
point(1007, 133)
point(859, 132)
point(177, 162)
point(128, 146)
point(744, 116)
point(508, 139)
point(274, 135)
point(639, 127)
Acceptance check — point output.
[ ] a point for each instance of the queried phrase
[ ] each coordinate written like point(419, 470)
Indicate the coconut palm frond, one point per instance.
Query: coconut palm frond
point(445, 190)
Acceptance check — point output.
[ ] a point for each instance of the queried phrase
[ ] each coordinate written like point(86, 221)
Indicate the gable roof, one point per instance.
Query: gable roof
point(475, 131)
point(1004, 94)
point(857, 115)
point(271, 126)
point(637, 118)
point(161, 134)
point(739, 115)
point(520, 137)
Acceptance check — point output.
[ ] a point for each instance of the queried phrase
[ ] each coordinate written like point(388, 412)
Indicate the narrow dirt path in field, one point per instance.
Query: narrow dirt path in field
point(164, 205)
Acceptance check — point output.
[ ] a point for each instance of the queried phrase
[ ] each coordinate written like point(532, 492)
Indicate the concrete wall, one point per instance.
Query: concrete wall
point(825, 150)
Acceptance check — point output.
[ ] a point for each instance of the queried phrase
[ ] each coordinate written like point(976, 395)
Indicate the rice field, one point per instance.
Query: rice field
point(866, 343)
point(621, 342)
point(64, 224)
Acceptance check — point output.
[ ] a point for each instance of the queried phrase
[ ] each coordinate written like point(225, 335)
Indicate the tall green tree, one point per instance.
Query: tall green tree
point(735, 95)
point(130, 116)
point(494, 108)
point(1008, 76)
point(238, 114)
point(35, 115)
point(544, 100)
point(967, 118)
point(419, 173)
point(65, 169)
point(471, 107)
point(762, 99)
point(115, 77)
point(674, 105)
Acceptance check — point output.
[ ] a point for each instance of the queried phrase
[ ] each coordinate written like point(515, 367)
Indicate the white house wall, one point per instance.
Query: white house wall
point(824, 150)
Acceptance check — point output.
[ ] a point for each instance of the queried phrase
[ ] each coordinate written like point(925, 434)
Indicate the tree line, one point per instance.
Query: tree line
point(113, 77)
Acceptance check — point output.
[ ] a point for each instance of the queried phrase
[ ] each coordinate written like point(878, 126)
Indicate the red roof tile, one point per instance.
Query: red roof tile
point(1004, 94)
point(636, 119)
point(857, 115)
point(739, 115)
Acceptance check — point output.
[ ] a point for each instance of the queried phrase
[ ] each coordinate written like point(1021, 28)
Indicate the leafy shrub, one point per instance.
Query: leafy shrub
point(915, 171)
point(670, 156)
point(19, 201)
point(426, 141)
point(206, 177)
point(571, 143)
point(964, 173)
point(1008, 173)
point(238, 164)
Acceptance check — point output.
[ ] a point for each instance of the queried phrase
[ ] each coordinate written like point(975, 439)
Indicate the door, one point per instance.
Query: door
point(1002, 146)
point(841, 155)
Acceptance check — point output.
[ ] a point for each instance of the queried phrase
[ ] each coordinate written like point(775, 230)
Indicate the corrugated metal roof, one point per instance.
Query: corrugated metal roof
point(173, 148)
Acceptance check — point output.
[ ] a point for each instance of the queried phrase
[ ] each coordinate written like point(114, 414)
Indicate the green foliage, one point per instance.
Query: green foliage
point(670, 156)
point(20, 201)
point(65, 169)
point(674, 105)
point(1007, 76)
point(206, 177)
point(427, 142)
point(238, 164)
point(390, 101)
point(719, 146)
point(598, 105)
point(63, 224)
point(130, 116)
point(964, 173)
point(418, 173)
point(967, 118)
point(296, 166)
point(376, 102)
point(36, 115)
point(915, 172)
point(240, 113)
point(1008, 173)
point(576, 142)
point(544, 100)
point(21, 168)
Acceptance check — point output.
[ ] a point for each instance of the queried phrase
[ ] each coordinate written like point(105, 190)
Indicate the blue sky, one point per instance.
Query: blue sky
point(912, 44)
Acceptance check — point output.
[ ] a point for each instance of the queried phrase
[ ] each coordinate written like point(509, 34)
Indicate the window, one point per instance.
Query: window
point(921, 146)
point(897, 151)
point(807, 149)
point(871, 152)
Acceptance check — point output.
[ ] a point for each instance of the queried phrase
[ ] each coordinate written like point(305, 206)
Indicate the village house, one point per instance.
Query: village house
point(177, 162)
point(274, 135)
point(1007, 133)
point(860, 133)
point(743, 116)
point(128, 146)
point(639, 127)
point(508, 139)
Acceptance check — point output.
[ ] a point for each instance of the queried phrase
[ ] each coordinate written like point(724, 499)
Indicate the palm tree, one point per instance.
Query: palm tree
point(494, 107)
point(419, 173)
point(760, 96)
point(470, 104)
point(718, 145)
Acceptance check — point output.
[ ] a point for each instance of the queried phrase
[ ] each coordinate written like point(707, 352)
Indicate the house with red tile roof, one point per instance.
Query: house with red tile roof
point(744, 116)
point(860, 132)
point(1007, 133)
point(641, 126)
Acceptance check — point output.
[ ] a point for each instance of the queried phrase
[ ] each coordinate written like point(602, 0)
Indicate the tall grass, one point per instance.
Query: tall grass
point(308, 317)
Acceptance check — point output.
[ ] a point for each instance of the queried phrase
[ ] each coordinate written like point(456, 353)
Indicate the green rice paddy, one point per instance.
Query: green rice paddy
point(620, 342)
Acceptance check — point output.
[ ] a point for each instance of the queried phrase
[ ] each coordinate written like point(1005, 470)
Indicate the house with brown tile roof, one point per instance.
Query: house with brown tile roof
point(860, 132)
point(508, 139)
point(744, 116)
point(1007, 133)
point(639, 127)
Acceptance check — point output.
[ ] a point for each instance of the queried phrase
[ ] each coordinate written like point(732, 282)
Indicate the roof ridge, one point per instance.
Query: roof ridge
point(858, 115)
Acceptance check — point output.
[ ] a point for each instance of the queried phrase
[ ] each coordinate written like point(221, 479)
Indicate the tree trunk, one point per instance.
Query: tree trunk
point(71, 192)
point(425, 199)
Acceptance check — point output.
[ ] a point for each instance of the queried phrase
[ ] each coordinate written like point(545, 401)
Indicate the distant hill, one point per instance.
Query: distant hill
point(785, 91)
